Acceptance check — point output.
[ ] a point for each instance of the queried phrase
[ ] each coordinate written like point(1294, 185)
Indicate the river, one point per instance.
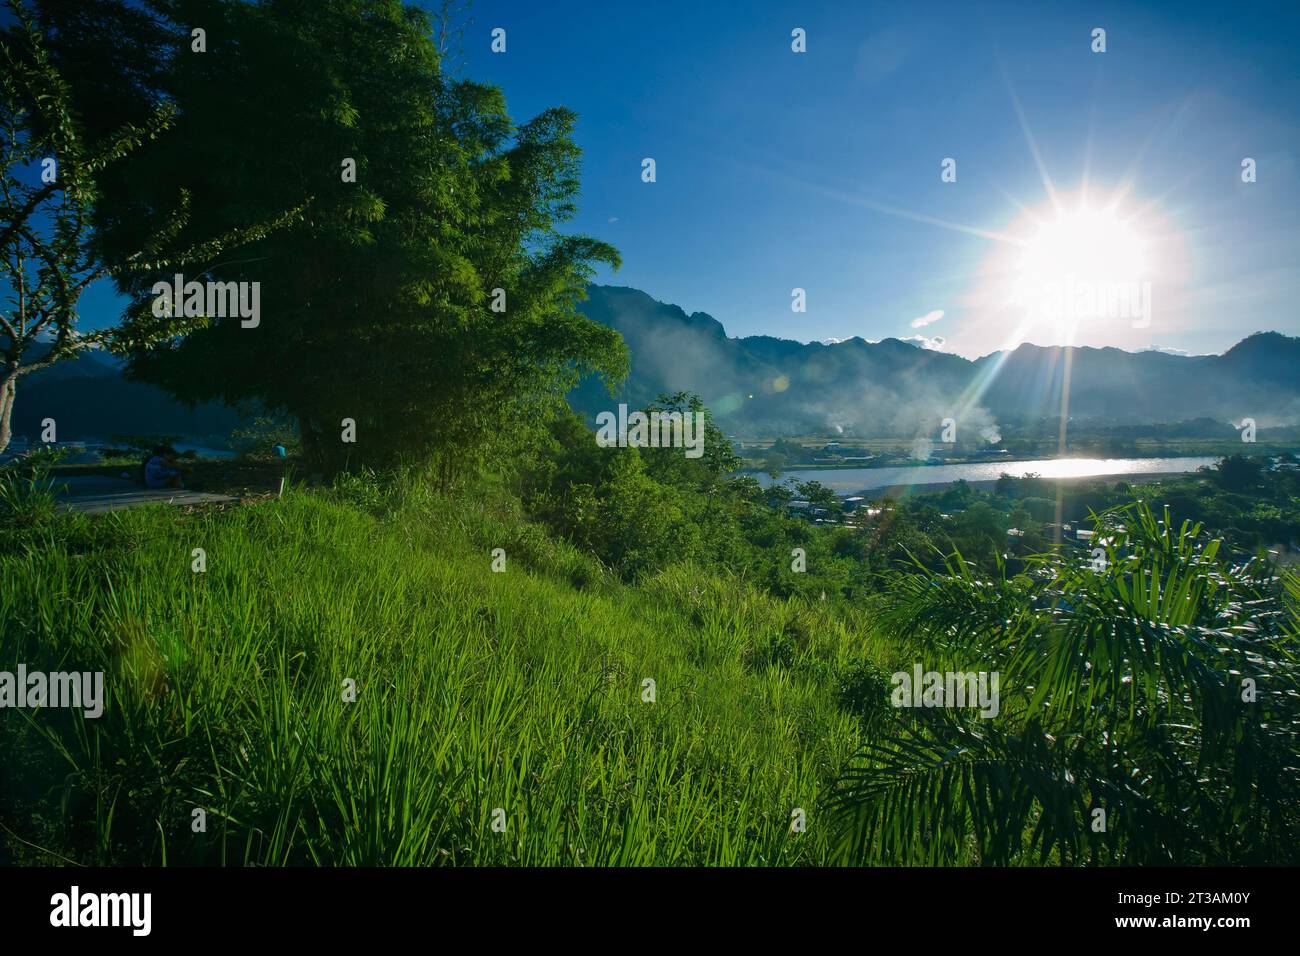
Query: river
point(851, 480)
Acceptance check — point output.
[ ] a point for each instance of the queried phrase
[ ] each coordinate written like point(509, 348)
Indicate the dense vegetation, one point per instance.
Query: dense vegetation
point(475, 690)
point(1254, 508)
point(524, 690)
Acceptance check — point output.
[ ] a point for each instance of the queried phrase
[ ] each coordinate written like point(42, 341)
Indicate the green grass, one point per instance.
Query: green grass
point(476, 690)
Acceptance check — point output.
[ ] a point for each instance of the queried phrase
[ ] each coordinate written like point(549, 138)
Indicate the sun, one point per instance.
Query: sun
point(1086, 245)
point(1094, 266)
point(1080, 265)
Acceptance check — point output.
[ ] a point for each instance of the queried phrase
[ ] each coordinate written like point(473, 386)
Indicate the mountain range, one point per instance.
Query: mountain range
point(762, 386)
point(88, 397)
point(765, 386)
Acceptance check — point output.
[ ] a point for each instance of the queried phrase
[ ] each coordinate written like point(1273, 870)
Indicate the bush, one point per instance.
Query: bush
point(27, 495)
point(366, 489)
point(25, 500)
point(772, 650)
point(257, 439)
point(864, 691)
point(134, 446)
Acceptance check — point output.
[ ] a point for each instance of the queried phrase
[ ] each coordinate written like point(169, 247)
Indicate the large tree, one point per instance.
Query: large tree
point(51, 162)
point(379, 306)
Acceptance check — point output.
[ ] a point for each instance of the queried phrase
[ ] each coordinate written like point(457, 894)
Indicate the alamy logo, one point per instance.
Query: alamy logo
point(102, 909)
point(1073, 298)
point(215, 300)
point(59, 689)
point(946, 689)
point(655, 430)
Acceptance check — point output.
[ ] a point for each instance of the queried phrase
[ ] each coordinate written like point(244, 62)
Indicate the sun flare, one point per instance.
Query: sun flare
point(1086, 245)
point(1077, 266)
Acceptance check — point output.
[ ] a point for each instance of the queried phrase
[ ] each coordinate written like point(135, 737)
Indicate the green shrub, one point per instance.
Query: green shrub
point(365, 488)
point(27, 493)
point(863, 691)
point(257, 439)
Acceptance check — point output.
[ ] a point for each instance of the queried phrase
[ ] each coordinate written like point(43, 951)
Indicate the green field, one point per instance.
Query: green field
point(340, 677)
point(475, 690)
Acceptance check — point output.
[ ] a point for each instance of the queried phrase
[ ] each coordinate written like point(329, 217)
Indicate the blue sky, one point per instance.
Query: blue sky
point(820, 170)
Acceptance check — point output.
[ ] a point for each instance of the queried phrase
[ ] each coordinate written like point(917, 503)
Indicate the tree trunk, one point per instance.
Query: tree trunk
point(8, 389)
point(307, 441)
point(316, 451)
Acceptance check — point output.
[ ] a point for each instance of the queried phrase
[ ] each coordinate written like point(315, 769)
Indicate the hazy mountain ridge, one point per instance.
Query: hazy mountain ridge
point(890, 387)
point(88, 396)
point(767, 385)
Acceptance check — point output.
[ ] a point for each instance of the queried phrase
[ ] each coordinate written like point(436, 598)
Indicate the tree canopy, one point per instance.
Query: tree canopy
point(426, 296)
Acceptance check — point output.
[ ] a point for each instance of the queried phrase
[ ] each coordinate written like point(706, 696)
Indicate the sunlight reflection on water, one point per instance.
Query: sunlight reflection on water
point(847, 480)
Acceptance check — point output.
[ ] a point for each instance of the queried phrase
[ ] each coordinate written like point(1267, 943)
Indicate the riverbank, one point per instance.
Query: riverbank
point(901, 491)
point(901, 480)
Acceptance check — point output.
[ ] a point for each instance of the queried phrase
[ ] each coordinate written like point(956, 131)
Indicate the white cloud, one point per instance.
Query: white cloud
point(834, 341)
point(935, 344)
point(928, 319)
point(1167, 351)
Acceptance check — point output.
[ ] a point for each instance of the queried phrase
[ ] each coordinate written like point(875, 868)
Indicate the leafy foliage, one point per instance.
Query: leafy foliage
point(1162, 690)
point(380, 305)
point(49, 185)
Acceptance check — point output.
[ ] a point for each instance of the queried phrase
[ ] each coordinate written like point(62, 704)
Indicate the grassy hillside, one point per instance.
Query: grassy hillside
point(475, 690)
